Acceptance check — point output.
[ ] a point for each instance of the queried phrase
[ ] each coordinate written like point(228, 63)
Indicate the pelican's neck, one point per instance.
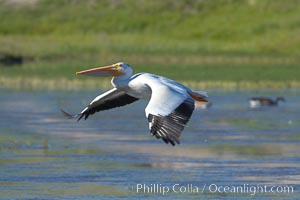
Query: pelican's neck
point(122, 80)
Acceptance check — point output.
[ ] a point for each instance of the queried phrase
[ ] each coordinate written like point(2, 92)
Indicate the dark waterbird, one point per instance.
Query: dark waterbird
point(264, 101)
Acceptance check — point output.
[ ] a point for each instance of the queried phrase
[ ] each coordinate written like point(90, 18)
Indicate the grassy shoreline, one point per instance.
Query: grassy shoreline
point(30, 83)
point(198, 71)
point(204, 44)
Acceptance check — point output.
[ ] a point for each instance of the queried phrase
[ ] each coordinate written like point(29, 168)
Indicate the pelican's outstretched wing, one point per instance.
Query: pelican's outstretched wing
point(168, 110)
point(108, 100)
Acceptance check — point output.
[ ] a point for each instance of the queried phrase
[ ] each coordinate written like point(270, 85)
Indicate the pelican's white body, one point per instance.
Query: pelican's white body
point(162, 92)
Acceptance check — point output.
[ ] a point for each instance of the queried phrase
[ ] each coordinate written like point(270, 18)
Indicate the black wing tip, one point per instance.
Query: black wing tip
point(167, 141)
point(68, 115)
point(79, 118)
point(173, 140)
point(168, 128)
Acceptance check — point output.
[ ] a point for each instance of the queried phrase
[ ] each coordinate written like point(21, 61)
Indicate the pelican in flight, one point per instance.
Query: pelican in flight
point(170, 106)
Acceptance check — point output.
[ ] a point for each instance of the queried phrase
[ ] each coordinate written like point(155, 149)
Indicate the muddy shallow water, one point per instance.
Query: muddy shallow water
point(228, 151)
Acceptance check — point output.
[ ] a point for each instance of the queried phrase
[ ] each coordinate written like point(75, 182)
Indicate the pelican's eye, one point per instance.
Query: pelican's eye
point(119, 66)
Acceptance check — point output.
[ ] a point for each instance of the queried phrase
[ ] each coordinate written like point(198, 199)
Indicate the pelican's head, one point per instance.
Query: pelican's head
point(114, 70)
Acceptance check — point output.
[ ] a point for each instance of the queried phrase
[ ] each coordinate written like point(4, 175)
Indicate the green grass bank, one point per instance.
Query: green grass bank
point(221, 43)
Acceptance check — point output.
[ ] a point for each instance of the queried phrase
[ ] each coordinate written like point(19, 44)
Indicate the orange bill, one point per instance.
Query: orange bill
point(102, 71)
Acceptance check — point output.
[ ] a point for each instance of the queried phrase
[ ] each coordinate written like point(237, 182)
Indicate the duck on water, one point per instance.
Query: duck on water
point(264, 101)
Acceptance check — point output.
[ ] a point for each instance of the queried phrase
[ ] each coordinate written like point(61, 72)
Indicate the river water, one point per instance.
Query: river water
point(228, 151)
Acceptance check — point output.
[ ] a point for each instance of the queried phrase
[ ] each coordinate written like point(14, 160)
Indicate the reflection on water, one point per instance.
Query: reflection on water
point(45, 156)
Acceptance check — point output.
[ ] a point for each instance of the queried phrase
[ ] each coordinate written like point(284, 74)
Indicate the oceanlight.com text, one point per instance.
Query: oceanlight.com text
point(251, 189)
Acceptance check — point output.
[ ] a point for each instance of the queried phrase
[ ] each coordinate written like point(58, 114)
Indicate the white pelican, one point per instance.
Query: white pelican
point(255, 102)
point(170, 103)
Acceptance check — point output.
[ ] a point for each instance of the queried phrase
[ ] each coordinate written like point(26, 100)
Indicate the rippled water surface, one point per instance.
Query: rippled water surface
point(113, 156)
